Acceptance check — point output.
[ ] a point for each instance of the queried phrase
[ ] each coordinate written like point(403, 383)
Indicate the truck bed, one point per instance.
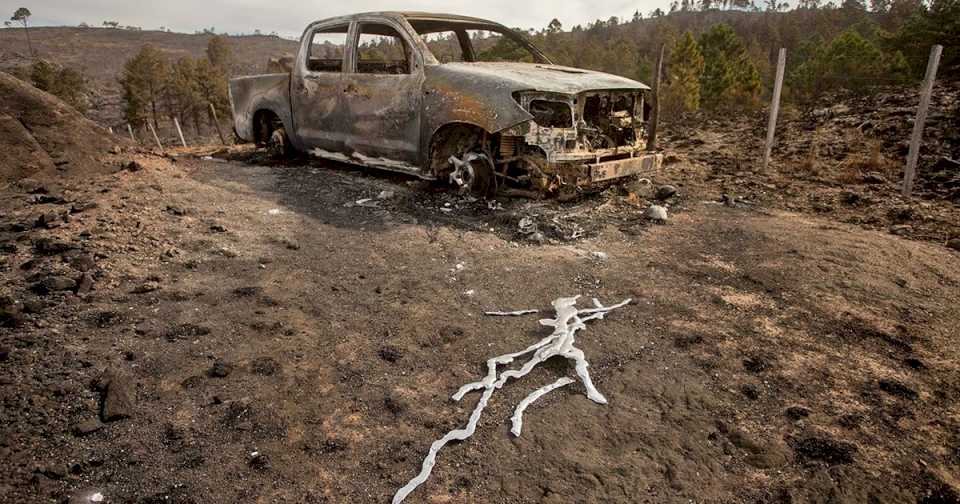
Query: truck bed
point(253, 93)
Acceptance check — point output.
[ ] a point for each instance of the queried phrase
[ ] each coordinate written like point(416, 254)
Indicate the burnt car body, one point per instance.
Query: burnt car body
point(480, 123)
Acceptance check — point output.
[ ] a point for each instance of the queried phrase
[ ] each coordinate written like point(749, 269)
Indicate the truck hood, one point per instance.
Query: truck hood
point(546, 78)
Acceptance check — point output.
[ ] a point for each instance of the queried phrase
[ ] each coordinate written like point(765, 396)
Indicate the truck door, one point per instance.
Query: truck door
point(315, 88)
point(381, 93)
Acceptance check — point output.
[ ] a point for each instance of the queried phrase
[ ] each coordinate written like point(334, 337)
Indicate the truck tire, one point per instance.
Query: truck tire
point(279, 145)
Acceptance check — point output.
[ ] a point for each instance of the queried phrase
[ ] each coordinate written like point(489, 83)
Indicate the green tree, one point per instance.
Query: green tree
point(181, 93)
point(729, 75)
point(22, 15)
point(213, 88)
point(65, 83)
point(937, 24)
point(681, 91)
point(143, 80)
point(220, 54)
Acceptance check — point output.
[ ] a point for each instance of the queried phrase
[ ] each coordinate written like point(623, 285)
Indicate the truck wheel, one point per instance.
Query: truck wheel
point(279, 145)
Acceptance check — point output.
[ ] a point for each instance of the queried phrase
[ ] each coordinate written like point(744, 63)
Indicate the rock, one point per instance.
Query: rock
point(954, 244)
point(656, 213)
point(874, 178)
point(384, 195)
point(4, 354)
point(50, 246)
point(9, 248)
point(83, 206)
point(901, 229)
point(796, 412)
point(218, 228)
point(145, 288)
point(10, 312)
point(117, 395)
point(600, 256)
point(86, 284)
point(49, 220)
point(133, 166)
point(83, 262)
point(259, 461)
point(175, 210)
point(220, 369)
point(265, 366)
point(666, 192)
point(54, 283)
point(87, 427)
point(33, 304)
point(390, 353)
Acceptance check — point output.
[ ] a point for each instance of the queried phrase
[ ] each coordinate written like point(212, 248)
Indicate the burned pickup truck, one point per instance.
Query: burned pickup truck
point(447, 97)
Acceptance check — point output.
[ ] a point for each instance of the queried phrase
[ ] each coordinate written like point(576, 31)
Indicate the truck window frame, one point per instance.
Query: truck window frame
point(307, 47)
point(407, 48)
point(416, 58)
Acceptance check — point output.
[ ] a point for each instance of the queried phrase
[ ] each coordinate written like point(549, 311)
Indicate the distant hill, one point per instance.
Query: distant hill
point(101, 52)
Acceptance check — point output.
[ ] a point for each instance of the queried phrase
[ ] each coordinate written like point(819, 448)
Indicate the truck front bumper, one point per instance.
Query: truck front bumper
point(640, 164)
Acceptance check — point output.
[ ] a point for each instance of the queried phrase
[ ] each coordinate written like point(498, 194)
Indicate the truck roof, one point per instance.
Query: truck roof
point(419, 16)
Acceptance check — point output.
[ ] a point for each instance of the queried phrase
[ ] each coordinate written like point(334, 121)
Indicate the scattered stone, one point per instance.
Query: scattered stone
point(750, 391)
point(874, 178)
point(146, 287)
point(185, 331)
point(117, 394)
point(954, 244)
point(218, 228)
point(248, 291)
point(53, 283)
point(220, 369)
point(666, 192)
point(656, 213)
point(384, 195)
point(133, 166)
point(600, 256)
point(8, 248)
point(175, 210)
point(48, 199)
point(10, 312)
point(87, 427)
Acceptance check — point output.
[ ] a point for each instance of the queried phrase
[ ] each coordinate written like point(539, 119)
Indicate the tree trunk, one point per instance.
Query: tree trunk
point(29, 43)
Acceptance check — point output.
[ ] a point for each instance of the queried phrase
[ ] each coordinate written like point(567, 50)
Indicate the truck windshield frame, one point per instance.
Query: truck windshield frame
point(470, 54)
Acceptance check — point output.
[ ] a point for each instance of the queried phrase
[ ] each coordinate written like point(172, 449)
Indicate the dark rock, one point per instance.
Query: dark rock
point(4, 354)
point(83, 262)
point(259, 461)
point(11, 312)
point(390, 353)
point(750, 391)
point(797, 412)
point(117, 394)
point(666, 192)
point(87, 427)
point(218, 228)
point(33, 305)
point(954, 244)
point(823, 449)
point(901, 229)
point(85, 285)
point(54, 284)
point(83, 206)
point(145, 288)
point(50, 246)
point(133, 166)
point(48, 199)
point(874, 178)
point(185, 331)
point(48, 220)
point(9, 248)
point(220, 369)
point(175, 210)
point(895, 388)
point(248, 291)
point(265, 366)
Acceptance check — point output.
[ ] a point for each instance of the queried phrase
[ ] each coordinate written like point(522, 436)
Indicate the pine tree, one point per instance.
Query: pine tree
point(143, 79)
point(182, 93)
point(729, 76)
point(681, 93)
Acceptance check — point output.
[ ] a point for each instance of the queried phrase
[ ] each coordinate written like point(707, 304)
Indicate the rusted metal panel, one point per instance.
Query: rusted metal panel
point(647, 164)
point(263, 92)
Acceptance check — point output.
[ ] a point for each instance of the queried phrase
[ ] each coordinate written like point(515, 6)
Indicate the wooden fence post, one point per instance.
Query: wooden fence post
point(132, 136)
point(155, 137)
point(925, 91)
point(216, 122)
point(654, 121)
point(774, 107)
point(179, 131)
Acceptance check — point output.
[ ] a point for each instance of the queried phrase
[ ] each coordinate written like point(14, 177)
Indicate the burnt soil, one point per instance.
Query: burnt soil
point(191, 331)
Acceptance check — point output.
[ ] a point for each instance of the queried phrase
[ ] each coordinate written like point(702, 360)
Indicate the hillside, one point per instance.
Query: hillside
point(101, 52)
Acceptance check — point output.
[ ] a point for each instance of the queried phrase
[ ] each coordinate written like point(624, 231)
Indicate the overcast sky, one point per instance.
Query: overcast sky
point(289, 17)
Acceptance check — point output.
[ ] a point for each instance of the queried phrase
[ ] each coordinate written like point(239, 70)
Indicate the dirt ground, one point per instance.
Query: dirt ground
point(210, 331)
